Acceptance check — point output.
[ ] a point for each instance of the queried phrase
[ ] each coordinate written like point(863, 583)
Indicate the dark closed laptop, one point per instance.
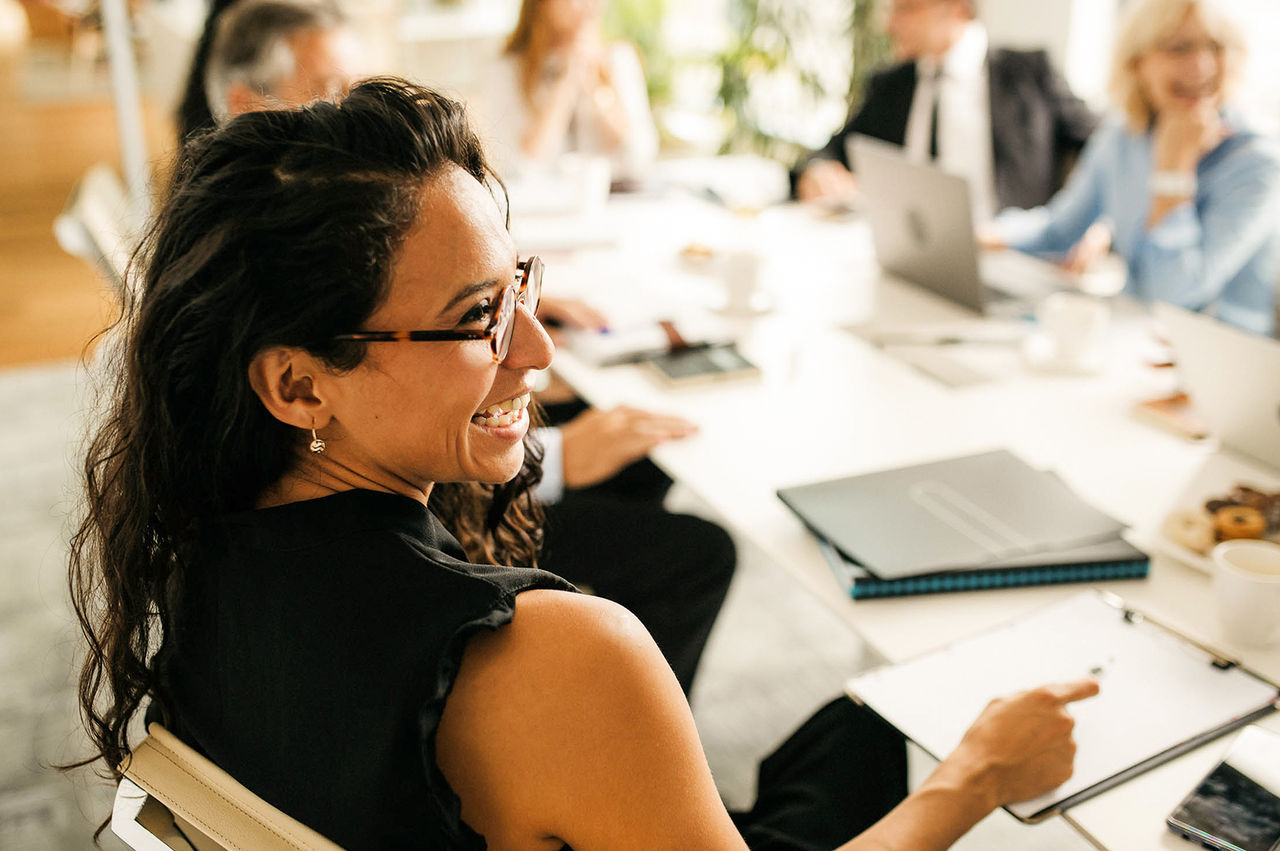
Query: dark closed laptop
point(985, 510)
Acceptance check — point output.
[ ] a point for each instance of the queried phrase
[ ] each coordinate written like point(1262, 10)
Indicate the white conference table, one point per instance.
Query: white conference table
point(827, 404)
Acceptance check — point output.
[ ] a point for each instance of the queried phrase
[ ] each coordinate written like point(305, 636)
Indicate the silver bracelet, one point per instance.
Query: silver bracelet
point(1173, 184)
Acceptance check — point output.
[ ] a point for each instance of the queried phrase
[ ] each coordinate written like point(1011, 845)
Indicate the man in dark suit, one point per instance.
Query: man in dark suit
point(1004, 119)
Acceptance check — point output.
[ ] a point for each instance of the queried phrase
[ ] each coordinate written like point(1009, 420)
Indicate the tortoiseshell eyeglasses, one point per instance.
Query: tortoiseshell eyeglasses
point(526, 292)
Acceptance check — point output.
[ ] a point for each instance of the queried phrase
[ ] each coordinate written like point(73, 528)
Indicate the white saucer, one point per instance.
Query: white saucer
point(1106, 277)
point(1040, 354)
point(761, 303)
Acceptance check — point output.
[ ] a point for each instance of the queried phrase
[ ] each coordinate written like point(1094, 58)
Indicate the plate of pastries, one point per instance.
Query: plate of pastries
point(1243, 512)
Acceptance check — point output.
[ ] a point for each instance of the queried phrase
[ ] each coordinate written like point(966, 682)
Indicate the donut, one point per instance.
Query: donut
point(1190, 529)
point(1272, 513)
point(1239, 521)
point(1252, 497)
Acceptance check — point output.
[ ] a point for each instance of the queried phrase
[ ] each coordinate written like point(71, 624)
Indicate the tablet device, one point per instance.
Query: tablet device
point(702, 363)
point(1236, 807)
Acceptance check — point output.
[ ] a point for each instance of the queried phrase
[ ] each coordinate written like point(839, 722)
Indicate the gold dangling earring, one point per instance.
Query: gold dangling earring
point(317, 445)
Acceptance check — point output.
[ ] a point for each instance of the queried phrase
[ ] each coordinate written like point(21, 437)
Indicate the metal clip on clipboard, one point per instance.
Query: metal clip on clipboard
point(1135, 616)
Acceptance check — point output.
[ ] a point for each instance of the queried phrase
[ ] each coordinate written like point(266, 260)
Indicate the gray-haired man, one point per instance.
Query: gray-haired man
point(277, 53)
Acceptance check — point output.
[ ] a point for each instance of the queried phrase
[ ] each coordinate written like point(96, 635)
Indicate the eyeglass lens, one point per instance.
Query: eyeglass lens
point(531, 284)
point(504, 325)
point(530, 297)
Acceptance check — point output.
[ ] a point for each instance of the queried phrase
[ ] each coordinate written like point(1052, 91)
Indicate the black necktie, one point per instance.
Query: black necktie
point(933, 115)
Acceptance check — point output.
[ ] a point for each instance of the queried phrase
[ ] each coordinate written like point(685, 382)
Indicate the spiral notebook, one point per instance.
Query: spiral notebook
point(1161, 694)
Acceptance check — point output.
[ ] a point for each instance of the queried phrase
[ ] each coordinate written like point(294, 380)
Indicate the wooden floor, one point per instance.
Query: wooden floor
point(51, 304)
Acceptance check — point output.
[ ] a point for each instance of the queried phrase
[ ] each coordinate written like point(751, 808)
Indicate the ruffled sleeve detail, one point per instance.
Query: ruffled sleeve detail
point(456, 832)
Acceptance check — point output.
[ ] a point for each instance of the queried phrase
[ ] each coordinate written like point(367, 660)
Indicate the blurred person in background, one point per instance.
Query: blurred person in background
point(1175, 182)
point(313, 53)
point(560, 87)
point(281, 54)
point(1002, 119)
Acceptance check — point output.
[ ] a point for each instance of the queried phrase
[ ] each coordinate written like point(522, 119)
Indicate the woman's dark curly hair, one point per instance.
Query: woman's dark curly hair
point(280, 230)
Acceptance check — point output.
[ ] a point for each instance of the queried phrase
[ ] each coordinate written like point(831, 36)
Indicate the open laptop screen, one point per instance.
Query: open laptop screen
point(1233, 378)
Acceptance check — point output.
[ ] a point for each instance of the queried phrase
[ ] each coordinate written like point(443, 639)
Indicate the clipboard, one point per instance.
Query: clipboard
point(1162, 693)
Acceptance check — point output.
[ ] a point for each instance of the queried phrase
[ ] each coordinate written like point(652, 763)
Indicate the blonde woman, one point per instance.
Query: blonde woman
point(559, 87)
point(1175, 184)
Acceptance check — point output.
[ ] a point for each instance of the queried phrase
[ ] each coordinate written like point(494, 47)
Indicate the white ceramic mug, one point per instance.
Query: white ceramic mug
point(1075, 326)
point(591, 176)
point(1246, 590)
point(741, 276)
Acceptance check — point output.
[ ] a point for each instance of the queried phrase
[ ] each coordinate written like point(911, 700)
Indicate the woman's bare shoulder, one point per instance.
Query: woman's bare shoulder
point(561, 647)
point(569, 723)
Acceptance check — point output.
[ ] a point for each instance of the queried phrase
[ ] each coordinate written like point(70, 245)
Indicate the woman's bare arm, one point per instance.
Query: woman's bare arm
point(567, 726)
point(1019, 747)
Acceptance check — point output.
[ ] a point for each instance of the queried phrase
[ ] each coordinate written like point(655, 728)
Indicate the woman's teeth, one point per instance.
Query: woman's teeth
point(503, 413)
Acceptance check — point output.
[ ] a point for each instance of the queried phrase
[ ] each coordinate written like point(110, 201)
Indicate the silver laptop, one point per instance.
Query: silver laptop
point(922, 227)
point(1233, 378)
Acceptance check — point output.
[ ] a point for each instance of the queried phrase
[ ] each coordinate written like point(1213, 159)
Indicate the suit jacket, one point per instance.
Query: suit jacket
point(1037, 124)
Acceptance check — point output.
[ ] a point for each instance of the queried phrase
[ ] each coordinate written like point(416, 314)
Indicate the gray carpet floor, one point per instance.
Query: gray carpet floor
point(774, 656)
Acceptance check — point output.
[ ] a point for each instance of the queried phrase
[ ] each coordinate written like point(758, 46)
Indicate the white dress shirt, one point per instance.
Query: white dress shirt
point(551, 488)
point(964, 117)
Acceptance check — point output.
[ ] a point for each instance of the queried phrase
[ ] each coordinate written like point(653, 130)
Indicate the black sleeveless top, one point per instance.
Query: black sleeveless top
point(312, 649)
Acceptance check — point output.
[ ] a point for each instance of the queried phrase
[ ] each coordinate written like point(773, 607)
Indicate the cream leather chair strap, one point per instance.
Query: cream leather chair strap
point(207, 798)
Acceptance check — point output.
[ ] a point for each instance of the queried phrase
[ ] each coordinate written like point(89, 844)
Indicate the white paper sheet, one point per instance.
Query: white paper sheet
point(1158, 690)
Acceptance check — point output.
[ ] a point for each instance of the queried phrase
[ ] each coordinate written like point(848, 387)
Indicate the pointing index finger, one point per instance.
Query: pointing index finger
point(1069, 692)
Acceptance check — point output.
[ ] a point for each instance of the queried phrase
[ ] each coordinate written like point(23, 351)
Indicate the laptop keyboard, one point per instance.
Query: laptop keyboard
point(1012, 274)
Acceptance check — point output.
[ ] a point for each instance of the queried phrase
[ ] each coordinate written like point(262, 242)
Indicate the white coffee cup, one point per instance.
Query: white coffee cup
point(740, 273)
point(1075, 327)
point(590, 177)
point(1246, 589)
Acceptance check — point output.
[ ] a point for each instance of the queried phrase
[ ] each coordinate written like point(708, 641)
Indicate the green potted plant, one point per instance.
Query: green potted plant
point(763, 51)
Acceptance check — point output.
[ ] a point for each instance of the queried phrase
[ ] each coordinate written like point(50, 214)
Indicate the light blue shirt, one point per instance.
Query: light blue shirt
point(1219, 254)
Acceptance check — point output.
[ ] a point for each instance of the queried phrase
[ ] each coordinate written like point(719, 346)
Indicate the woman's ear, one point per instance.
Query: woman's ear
point(284, 380)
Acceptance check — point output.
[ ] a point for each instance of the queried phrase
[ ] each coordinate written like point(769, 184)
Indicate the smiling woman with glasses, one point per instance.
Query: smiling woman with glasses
point(297, 608)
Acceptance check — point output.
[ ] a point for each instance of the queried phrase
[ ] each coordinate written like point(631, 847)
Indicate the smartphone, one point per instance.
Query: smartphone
point(1236, 807)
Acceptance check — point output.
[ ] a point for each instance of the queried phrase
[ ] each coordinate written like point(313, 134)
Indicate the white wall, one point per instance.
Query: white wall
point(1260, 95)
point(1077, 33)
